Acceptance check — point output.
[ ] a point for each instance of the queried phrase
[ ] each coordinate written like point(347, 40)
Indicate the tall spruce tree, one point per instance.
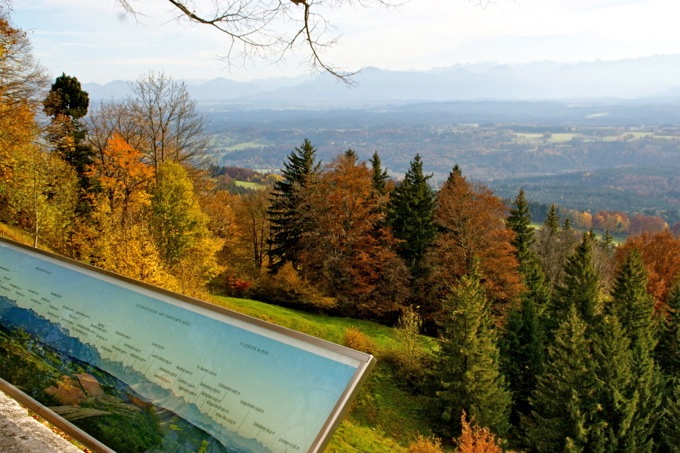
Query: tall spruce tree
point(410, 214)
point(617, 401)
point(519, 221)
point(552, 220)
point(669, 431)
point(635, 307)
point(580, 287)
point(286, 203)
point(523, 343)
point(379, 175)
point(667, 350)
point(468, 373)
point(631, 302)
point(565, 409)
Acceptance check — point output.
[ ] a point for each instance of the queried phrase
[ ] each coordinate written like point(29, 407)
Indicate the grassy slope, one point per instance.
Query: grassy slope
point(384, 417)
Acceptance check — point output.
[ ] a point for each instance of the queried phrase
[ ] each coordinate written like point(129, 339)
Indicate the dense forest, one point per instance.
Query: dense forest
point(548, 339)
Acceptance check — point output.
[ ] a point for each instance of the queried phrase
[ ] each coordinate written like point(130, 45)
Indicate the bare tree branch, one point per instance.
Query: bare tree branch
point(254, 27)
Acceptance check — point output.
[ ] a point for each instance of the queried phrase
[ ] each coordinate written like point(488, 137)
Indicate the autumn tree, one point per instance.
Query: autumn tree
point(165, 121)
point(285, 210)
point(472, 228)
point(254, 228)
point(106, 120)
point(646, 224)
point(180, 229)
point(41, 196)
point(342, 251)
point(22, 81)
point(467, 371)
point(476, 439)
point(124, 179)
point(660, 253)
point(117, 235)
point(410, 215)
point(553, 246)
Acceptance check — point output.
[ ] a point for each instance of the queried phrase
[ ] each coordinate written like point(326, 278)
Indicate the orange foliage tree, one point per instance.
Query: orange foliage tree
point(660, 253)
point(344, 251)
point(123, 178)
point(615, 222)
point(472, 228)
point(476, 439)
point(646, 224)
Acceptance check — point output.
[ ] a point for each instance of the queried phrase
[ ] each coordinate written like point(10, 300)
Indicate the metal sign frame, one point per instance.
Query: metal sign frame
point(312, 350)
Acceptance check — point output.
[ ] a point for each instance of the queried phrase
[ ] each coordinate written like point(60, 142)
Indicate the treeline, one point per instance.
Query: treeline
point(550, 339)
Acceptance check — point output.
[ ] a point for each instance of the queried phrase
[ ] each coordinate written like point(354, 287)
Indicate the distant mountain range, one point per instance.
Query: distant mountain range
point(649, 77)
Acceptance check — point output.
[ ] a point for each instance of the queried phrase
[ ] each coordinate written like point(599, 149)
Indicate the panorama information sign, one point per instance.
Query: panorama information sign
point(142, 369)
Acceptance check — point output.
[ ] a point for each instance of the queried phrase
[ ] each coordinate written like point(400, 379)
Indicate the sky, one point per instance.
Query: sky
point(96, 41)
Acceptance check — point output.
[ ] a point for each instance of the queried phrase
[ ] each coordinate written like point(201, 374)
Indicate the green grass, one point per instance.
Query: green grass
point(250, 185)
point(246, 145)
point(385, 417)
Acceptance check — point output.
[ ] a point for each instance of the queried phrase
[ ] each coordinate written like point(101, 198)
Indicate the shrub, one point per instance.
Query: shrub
point(356, 339)
point(425, 445)
point(476, 439)
point(287, 289)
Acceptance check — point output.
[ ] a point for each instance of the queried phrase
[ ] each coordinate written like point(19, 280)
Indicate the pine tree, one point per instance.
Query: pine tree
point(468, 367)
point(67, 103)
point(284, 211)
point(564, 405)
point(410, 214)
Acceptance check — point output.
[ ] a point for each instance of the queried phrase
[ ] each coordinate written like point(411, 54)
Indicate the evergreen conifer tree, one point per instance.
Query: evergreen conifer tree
point(379, 175)
point(66, 104)
point(580, 287)
point(410, 214)
point(564, 405)
point(523, 344)
point(285, 204)
point(667, 350)
point(615, 378)
point(632, 304)
point(519, 221)
point(468, 367)
point(670, 428)
point(552, 220)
